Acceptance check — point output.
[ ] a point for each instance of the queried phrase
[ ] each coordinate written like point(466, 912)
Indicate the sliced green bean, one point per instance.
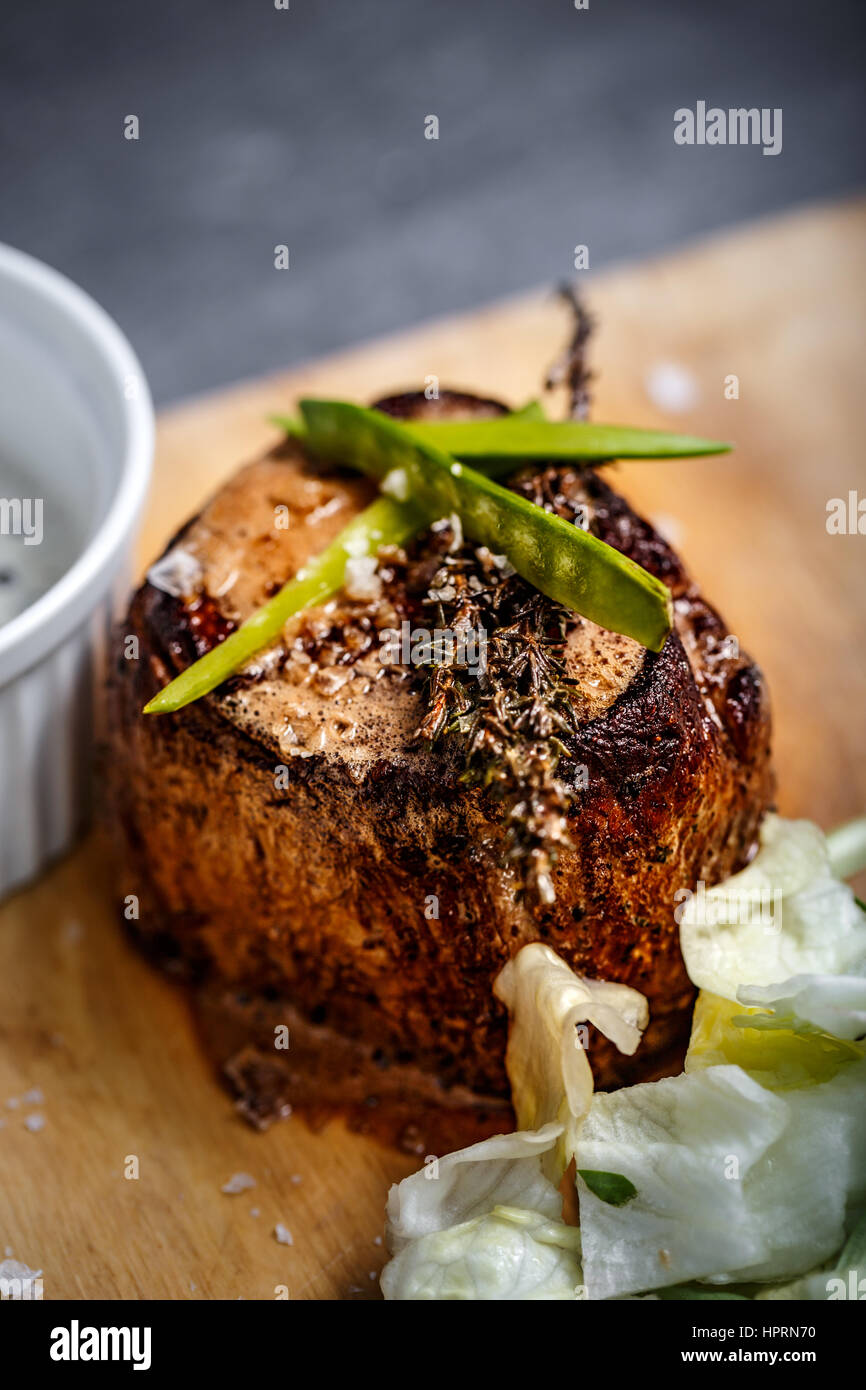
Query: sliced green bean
point(499, 445)
point(508, 439)
point(384, 522)
point(568, 564)
point(532, 410)
point(388, 521)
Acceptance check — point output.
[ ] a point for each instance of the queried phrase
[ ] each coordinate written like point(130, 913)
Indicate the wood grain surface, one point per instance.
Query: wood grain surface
point(110, 1044)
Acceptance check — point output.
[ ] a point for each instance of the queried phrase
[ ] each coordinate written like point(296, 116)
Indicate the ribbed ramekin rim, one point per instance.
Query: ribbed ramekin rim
point(45, 623)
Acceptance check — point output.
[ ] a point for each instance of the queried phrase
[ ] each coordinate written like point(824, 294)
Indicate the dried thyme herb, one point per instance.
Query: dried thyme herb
point(571, 366)
point(512, 712)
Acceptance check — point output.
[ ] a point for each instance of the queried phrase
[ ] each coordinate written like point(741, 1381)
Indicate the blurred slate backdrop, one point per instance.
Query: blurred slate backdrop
point(305, 126)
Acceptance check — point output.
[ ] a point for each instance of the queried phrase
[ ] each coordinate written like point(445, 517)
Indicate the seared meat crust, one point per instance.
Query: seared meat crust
point(370, 903)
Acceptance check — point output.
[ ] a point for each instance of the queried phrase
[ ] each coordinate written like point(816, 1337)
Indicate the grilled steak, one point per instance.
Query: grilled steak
point(305, 861)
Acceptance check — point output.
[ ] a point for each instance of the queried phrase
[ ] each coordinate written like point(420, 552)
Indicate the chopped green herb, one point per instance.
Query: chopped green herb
point(511, 716)
point(612, 1188)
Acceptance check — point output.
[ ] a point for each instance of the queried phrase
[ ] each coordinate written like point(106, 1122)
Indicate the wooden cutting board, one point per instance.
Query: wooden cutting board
point(779, 305)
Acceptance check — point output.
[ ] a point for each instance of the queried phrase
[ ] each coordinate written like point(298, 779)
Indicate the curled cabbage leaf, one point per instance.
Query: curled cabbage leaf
point(551, 1079)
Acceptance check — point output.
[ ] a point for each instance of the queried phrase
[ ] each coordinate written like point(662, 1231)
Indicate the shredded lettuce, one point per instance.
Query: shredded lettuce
point(779, 1059)
point(671, 1138)
point(807, 1004)
point(511, 1253)
point(786, 914)
point(446, 1229)
point(846, 1279)
point(502, 1171)
point(809, 1288)
point(846, 846)
point(749, 1166)
point(550, 1075)
point(734, 1183)
point(483, 1223)
point(740, 1177)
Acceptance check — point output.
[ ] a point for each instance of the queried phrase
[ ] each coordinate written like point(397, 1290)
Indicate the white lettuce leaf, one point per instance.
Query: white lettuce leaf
point(809, 1288)
point(482, 1223)
point(780, 1058)
point(673, 1139)
point(846, 846)
point(734, 1183)
point(508, 1254)
point(805, 1004)
point(502, 1171)
point(812, 1182)
point(786, 914)
point(551, 1079)
point(843, 1279)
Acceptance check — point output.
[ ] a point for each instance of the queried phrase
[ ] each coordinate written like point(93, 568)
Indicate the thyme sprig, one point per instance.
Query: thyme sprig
point(512, 713)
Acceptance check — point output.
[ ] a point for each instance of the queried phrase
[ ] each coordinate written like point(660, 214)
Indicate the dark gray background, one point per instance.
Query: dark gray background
point(305, 127)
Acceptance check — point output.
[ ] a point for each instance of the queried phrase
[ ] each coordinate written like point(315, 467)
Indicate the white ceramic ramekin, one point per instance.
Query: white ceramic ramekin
point(76, 420)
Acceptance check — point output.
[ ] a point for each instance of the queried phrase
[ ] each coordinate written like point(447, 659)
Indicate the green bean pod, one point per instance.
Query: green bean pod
point(507, 440)
point(384, 522)
point(560, 559)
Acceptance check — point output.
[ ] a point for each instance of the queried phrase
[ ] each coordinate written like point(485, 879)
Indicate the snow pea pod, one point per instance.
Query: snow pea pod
point(499, 445)
point(568, 564)
point(507, 440)
point(384, 522)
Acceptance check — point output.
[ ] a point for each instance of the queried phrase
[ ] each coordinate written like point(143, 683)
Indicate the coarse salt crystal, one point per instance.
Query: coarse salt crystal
point(362, 581)
point(178, 573)
point(238, 1182)
point(17, 1269)
point(396, 484)
point(356, 546)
